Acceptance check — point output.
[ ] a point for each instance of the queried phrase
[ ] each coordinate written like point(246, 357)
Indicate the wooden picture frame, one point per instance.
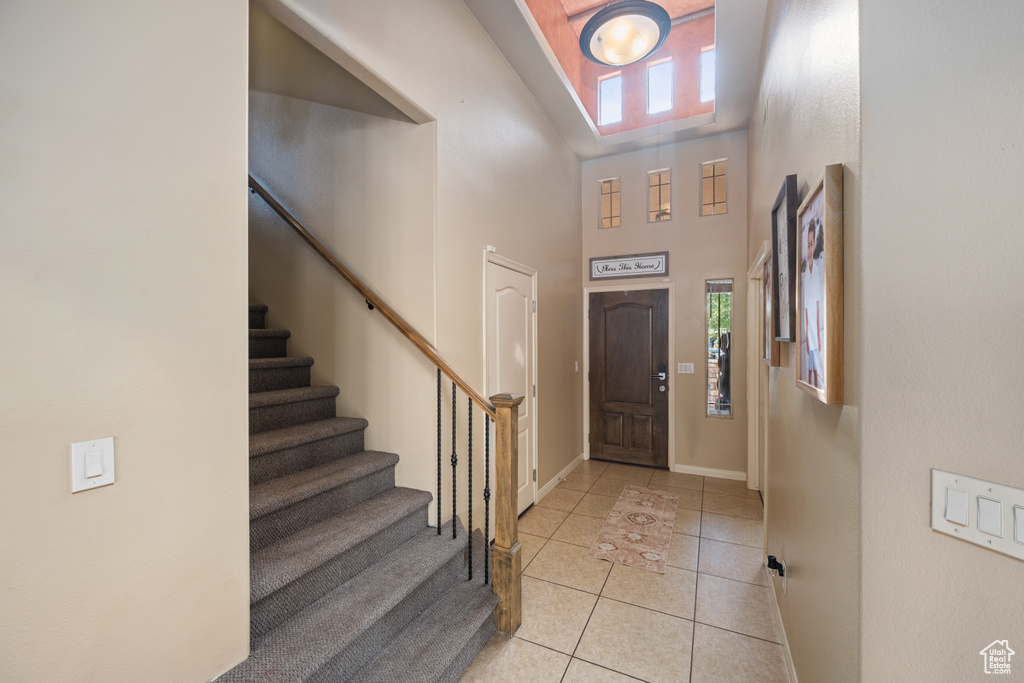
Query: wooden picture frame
point(819, 289)
point(770, 355)
point(784, 247)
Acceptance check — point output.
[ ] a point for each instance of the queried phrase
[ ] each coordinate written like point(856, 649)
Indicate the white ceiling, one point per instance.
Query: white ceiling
point(739, 25)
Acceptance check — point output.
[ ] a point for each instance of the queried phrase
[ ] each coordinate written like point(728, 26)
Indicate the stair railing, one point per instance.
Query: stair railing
point(502, 408)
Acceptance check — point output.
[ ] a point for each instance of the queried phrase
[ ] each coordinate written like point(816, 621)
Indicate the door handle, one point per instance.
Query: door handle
point(662, 372)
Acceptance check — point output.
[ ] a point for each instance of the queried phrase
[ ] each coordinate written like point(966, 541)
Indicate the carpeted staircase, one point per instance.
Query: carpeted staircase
point(348, 581)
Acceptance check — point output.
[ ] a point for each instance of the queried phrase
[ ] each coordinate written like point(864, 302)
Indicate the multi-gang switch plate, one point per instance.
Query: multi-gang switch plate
point(980, 512)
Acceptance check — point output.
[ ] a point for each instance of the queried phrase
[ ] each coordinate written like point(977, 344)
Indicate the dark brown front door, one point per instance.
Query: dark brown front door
point(628, 408)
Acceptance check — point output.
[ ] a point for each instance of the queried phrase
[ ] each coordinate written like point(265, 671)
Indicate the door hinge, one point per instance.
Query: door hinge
point(535, 475)
point(535, 391)
point(534, 305)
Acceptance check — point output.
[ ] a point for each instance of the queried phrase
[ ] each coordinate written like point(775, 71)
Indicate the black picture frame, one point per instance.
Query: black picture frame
point(784, 246)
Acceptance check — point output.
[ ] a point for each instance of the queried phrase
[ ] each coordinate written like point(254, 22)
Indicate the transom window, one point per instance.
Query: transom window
point(659, 195)
point(712, 188)
point(611, 211)
point(659, 87)
point(609, 100)
point(707, 74)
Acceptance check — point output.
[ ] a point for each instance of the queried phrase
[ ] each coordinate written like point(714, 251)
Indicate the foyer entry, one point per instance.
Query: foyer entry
point(629, 376)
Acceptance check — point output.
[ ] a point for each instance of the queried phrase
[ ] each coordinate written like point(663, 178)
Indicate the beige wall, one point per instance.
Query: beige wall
point(491, 170)
point(122, 286)
point(806, 116)
point(700, 248)
point(942, 356)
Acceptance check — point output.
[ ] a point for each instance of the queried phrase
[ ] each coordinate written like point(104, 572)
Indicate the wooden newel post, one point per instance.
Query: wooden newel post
point(507, 562)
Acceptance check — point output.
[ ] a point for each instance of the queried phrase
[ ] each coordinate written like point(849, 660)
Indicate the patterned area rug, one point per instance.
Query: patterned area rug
point(638, 530)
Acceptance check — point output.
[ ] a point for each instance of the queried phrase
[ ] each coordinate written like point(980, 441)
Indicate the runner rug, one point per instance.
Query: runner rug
point(638, 530)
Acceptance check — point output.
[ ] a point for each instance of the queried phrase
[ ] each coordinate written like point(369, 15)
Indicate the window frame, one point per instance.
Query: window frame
point(668, 188)
point(671, 89)
point(700, 74)
point(707, 336)
point(615, 220)
point(715, 201)
point(600, 99)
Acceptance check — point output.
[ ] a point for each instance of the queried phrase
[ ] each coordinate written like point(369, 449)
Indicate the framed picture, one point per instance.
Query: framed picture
point(784, 248)
point(819, 289)
point(771, 344)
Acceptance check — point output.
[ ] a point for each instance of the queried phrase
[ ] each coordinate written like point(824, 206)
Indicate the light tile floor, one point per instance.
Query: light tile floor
point(708, 618)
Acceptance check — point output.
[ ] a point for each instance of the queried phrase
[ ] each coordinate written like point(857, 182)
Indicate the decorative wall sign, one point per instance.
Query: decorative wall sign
point(784, 247)
point(819, 289)
point(630, 265)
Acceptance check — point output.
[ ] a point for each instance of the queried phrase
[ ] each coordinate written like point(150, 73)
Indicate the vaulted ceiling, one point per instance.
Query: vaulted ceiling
point(540, 38)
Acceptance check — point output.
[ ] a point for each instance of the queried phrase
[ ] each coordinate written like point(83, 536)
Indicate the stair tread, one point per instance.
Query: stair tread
point(284, 491)
point(279, 362)
point(429, 645)
point(262, 399)
point(290, 558)
point(264, 333)
point(311, 638)
point(299, 435)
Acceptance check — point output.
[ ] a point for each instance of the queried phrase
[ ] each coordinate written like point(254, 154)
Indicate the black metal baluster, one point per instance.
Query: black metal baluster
point(469, 489)
point(439, 451)
point(487, 492)
point(455, 461)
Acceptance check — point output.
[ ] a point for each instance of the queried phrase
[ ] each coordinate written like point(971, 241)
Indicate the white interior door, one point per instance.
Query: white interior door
point(511, 357)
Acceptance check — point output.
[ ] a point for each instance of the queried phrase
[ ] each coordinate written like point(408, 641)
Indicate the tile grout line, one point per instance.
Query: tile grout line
point(693, 634)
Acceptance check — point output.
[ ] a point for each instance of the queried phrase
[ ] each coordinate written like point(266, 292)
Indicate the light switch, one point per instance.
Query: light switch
point(1018, 524)
point(956, 506)
point(685, 368)
point(990, 516)
point(93, 464)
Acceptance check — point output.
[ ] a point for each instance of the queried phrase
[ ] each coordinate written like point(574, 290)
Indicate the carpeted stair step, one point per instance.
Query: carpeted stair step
point(298, 570)
point(283, 451)
point(338, 635)
point(287, 407)
point(272, 374)
point(282, 506)
point(257, 316)
point(268, 343)
point(441, 643)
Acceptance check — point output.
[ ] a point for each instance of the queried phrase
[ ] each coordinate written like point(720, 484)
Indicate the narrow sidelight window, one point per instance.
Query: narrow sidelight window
point(659, 87)
point(718, 294)
point(707, 74)
point(712, 188)
point(611, 212)
point(609, 100)
point(659, 195)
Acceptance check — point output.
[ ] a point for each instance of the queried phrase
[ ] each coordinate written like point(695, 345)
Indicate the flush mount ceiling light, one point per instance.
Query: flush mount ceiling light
point(625, 32)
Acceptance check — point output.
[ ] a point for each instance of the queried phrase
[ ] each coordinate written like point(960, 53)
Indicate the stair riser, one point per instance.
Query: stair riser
point(473, 646)
point(366, 647)
point(257, 320)
point(282, 604)
point(289, 460)
point(265, 418)
point(268, 347)
point(273, 379)
point(274, 526)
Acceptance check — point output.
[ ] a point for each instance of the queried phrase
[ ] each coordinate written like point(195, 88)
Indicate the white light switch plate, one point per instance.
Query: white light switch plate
point(92, 464)
point(980, 497)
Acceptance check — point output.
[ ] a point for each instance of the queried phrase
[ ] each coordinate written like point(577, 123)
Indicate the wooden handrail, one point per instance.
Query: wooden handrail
point(371, 298)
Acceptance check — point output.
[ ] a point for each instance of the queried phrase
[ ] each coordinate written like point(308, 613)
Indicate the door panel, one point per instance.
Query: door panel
point(511, 358)
point(628, 409)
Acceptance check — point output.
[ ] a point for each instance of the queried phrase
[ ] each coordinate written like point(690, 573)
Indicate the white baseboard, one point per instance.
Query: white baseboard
point(709, 472)
point(786, 654)
point(548, 487)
